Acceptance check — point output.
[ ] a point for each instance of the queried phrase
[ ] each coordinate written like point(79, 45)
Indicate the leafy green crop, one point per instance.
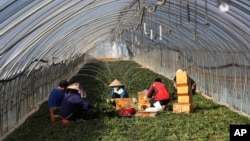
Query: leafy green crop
point(208, 122)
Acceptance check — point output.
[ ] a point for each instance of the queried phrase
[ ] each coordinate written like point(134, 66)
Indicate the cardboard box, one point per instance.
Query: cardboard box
point(185, 99)
point(121, 103)
point(180, 108)
point(182, 79)
point(183, 90)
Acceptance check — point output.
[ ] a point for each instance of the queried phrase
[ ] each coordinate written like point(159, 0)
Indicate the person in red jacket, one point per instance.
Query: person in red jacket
point(158, 92)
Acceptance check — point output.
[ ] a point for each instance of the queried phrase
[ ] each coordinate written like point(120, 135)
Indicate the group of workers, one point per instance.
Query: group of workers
point(69, 100)
point(157, 92)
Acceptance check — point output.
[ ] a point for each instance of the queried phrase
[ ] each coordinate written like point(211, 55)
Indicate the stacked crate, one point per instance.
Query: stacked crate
point(184, 103)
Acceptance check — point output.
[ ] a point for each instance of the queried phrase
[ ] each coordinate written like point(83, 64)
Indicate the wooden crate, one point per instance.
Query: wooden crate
point(185, 98)
point(182, 79)
point(145, 114)
point(183, 90)
point(121, 103)
point(143, 102)
point(180, 108)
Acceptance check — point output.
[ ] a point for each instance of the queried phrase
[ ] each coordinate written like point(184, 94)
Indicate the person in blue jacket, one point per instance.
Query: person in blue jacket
point(73, 104)
point(118, 90)
point(57, 94)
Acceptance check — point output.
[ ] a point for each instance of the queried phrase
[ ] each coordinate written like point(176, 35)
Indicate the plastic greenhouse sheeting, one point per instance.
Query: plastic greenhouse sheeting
point(45, 41)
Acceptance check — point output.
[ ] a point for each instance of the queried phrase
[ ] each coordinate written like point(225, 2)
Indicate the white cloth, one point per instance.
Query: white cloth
point(120, 91)
point(151, 109)
point(83, 93)
point(157, 107)
point(134, 100)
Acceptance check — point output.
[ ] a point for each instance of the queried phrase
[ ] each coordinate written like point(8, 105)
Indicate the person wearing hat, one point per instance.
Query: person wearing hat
point(192, 82)
point(118, 90)
point(57, 94)
point(73, 104)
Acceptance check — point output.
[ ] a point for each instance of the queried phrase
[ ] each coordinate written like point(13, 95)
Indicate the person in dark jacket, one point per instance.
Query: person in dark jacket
point(191, 81)
point(73, 104)
point(158, 92)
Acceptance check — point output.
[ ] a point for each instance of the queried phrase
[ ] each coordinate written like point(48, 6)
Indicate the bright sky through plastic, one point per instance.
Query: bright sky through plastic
point(224, 7)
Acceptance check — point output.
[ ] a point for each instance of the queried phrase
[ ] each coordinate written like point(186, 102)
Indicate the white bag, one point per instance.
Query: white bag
point(158, 106)
point(151, 109)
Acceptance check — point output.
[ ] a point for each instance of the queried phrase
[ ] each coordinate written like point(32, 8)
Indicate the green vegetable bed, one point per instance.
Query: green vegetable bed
point(209, 121)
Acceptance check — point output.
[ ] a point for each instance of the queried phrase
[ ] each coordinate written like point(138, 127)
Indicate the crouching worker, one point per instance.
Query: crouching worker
point(74, 104)
point(158, 92)
point(118, 91)
point(55, 99)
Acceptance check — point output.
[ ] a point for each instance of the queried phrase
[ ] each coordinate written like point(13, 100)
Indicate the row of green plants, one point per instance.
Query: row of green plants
point(208, 122)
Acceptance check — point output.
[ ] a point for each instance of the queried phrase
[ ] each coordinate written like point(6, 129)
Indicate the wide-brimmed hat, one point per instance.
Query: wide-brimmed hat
point(74, 86)
point(115, 83)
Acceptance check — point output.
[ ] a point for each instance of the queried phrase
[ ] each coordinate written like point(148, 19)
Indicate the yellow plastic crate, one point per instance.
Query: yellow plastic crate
point(180, 108)
point(182, 79)
point(185, 99)
point(143, 102)
point(121, 103)
point(183, 90)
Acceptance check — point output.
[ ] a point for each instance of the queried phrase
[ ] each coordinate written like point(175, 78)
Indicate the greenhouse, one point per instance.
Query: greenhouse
point(96, 41)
